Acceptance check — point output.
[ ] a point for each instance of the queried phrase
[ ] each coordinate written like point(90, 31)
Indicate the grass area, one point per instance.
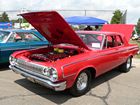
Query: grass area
point(135, 42)
point(137, 56)
point(138, 43)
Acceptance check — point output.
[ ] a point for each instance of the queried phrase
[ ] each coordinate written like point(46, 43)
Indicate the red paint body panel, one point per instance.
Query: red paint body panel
point(124, 29)
point(101, 60)
point(53, 27)
point(68, 68)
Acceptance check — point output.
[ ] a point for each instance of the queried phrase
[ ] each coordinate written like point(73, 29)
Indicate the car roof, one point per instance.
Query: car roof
point(17, 30)
point(99, 32)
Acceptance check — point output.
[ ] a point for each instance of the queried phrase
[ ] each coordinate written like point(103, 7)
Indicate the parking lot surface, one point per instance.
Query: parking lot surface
point(112, 88)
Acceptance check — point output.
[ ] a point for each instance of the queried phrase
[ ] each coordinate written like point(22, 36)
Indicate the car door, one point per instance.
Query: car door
point(120, 47)
point(35, 41)
point(15, 42)
point(109, 55)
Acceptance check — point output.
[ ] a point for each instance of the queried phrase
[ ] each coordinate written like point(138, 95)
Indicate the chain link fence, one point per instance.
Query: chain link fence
point(101, 14)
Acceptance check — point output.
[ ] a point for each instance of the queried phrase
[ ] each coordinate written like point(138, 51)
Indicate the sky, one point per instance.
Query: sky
point(132, 7)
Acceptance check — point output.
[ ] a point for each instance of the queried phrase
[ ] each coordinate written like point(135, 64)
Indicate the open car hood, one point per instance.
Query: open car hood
point(125, 29)
point(54, 28)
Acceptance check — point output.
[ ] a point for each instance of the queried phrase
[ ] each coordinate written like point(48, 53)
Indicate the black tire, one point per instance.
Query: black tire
point(74, 91)
point(125, 67)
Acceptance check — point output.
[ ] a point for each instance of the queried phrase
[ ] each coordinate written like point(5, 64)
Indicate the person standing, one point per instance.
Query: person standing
point(88, 28)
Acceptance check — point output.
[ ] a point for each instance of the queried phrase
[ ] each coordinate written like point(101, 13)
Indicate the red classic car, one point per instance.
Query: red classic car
point(72, 59)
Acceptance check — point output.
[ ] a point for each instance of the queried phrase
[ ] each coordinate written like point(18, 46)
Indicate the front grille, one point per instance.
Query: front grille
point(29, 66)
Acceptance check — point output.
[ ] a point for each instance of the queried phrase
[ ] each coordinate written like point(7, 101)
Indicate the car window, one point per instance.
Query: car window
point(16, 37)
point(11, 38)
point(31, 37)
point(3, 36)
point(109, 42)
point(112, 41)
point(119, 41)
point(92, 40)
point(23, 37)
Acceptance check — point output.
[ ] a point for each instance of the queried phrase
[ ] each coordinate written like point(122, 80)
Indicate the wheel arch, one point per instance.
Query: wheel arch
point(89, 68)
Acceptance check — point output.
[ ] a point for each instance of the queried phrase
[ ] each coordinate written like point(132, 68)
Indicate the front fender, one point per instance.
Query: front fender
point(84, 68)
point(72, 78)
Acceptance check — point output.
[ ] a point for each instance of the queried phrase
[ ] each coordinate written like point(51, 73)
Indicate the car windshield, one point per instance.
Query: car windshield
point(3, 36)
point(92, 40)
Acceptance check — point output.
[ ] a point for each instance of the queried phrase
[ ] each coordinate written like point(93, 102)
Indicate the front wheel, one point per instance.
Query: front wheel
point(125, 67)
point(82, 84)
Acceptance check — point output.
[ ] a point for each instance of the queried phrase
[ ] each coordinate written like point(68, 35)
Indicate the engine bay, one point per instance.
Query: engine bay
point(53, 54)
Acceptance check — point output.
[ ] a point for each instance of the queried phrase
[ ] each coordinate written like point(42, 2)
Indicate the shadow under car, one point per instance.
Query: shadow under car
point(63, 96)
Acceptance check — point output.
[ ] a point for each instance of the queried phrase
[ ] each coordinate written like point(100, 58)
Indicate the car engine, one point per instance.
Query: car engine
point(53, 55)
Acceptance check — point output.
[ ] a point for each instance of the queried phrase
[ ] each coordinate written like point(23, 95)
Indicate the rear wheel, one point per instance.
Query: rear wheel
point(82, 84)
point(126, 66)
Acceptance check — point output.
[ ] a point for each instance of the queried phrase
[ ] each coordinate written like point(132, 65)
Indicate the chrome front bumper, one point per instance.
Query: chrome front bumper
point(36, 79)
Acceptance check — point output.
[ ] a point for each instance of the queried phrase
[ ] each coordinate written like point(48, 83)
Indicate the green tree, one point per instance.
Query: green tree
point(116, 19)
point(4, 17)
point(22, 20)
point(138, 26)
point(19, 20)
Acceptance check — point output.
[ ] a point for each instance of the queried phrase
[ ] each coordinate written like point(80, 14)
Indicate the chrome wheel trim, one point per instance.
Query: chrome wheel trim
point(128, 64)
point(82, 81)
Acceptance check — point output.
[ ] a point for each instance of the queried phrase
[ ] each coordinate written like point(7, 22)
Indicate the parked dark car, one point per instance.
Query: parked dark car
point(18, 39)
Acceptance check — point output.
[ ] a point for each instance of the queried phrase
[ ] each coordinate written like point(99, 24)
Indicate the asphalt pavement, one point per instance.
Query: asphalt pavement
point(112, 88)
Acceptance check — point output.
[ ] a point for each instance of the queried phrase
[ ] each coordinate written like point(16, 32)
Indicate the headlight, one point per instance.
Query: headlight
point(12, 60)
point(50, 73)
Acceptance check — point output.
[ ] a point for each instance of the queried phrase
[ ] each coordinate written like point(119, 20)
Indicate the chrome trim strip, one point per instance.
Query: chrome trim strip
point(102, 44)
point(31, 71)
point(31, 63)
point(133, 48)
point(9, 49)
point(62, 68)
point(33, 68)
point(70, 75)
point(56, 86)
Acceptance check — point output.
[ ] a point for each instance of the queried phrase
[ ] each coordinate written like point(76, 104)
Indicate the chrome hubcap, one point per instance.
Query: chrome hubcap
point(128, 63)
point(82, 81)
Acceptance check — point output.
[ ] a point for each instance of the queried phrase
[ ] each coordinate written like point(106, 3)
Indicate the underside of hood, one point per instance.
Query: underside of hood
point(125, 29)
point(54, 28)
